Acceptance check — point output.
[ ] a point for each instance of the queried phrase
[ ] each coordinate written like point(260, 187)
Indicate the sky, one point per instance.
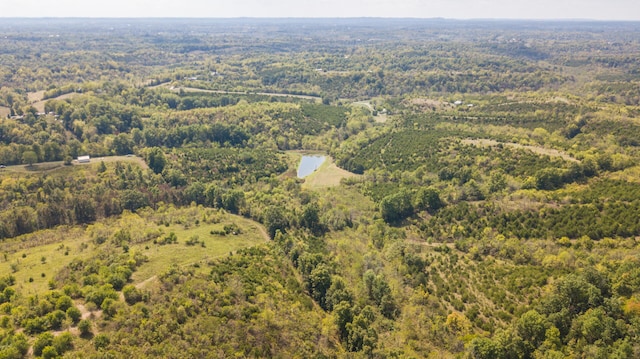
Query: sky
point(456, 9)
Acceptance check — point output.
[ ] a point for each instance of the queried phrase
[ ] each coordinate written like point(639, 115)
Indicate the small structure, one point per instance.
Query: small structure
point(84, 159)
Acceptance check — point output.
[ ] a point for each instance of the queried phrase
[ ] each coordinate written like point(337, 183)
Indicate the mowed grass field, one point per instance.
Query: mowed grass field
point(37, 99)
point(162, 257)
point(59, 165)
point(34, 264)
point(327, 175)
point(36, 258)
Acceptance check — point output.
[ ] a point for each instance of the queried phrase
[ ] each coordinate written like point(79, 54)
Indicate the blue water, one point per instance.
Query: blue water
point(308, 164)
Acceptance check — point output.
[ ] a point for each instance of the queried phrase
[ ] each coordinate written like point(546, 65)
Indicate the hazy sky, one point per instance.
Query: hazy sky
point(463, 9)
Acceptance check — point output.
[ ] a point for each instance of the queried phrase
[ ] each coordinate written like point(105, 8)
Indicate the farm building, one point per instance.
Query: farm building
point(83, 159)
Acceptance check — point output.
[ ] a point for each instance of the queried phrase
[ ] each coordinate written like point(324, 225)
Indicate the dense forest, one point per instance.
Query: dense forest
point(479, 195)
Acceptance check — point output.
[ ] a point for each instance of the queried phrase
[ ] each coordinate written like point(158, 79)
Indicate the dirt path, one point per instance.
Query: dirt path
point(146, 281)
point(85, 312)
point(252, 223)
point(263, 232)
point(366, 104)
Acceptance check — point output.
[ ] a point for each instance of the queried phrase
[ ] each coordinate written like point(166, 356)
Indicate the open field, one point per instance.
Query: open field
point(131, 158)
point(4, 112)
point(536, 149)
point(59, 165)
point(34, 265)
point(34, 259)
point(162, 257)
point(192, 89)
point(327, 175)
point(379, 118)
point(39, 105)
point(35, 96)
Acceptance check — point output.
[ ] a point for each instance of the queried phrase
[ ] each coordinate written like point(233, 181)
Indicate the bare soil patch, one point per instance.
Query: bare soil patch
point(86, 314)
point(135, 159)
point(428, 103)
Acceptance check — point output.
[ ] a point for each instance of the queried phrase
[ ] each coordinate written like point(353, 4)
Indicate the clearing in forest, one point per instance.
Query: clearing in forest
point(378, 117)
point(216, 245)
point(59, 165)
point(39, 104)
point(327, 175)
point(35, 96)
point(36, 258)
point(536, 149)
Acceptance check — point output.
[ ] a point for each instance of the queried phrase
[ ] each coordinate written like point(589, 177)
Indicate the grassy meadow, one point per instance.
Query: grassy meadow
point(34, 259)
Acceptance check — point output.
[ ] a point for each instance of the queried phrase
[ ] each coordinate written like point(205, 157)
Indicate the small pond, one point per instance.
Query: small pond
point(308, 164)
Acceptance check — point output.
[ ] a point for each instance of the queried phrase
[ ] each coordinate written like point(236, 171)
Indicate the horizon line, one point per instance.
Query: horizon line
point(307, 18)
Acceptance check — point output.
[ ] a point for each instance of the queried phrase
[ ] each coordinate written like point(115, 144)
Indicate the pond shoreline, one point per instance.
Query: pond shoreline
point(309, 164)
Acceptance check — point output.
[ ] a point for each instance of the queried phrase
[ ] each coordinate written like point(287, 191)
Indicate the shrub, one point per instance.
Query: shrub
point(63, 342)
point(49, 352)
point(64, 302)
point(131, 294)
point(193, 240)
point(74, 314)
point(56, 318)
point(101, 341)
point(84, 326)
point(42, 341)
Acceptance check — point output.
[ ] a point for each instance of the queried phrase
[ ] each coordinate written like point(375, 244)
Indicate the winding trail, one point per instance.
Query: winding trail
point(146, 281)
